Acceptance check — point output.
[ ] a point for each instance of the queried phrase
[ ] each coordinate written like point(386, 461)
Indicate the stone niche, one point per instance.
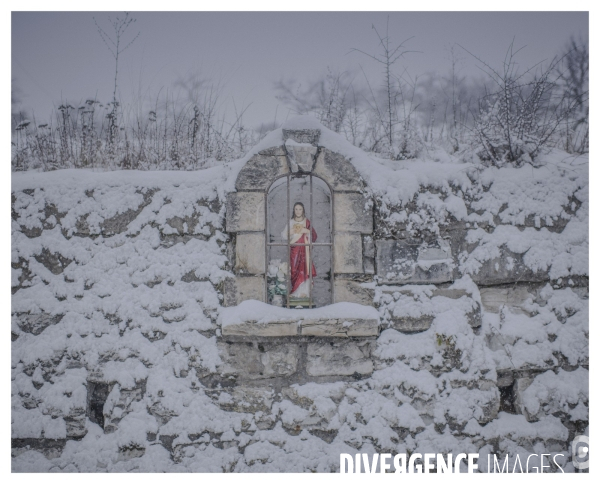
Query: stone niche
point(352, 224)
point(295, 345)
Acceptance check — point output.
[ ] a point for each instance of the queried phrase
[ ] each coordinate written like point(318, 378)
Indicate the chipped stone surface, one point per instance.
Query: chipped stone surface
point(252, 361)
point(348, 253)
point(259, 172)
point(337, 171)
point(340, 327)
point(399, 261)
point(250, 253)
point(343, 359)
point(351, 291)
point(245, 212)
point(353, 212)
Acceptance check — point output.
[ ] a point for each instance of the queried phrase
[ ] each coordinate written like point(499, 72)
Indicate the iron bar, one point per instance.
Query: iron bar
point(289, 232)
point(310, 246)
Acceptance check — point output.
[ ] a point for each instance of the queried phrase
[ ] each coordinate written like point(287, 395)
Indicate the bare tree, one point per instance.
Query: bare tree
point(521, 114)
point(574, 78)
point(116, 44)
point(388, 57)
point(454, 93)
point(327, 97)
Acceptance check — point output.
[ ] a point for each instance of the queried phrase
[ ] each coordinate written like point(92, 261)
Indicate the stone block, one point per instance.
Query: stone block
point(340, 327)
point(399, 261)
point(519, 387)
point(412, 325)
point(353, 213)
point(339, 359)
point(255, 361)
point(337, 171)
point(245, 399)
point(301, 156)
point(238, 289)
point(306, 135)
point(36, 323)
point(368, 255)
point(513, 297)
point(54, 262)
point(449, 293)
point(351, 291)
point(245, 212)
point(252, 328)
point(250, 253)
point(260, 171)
point(348, 253)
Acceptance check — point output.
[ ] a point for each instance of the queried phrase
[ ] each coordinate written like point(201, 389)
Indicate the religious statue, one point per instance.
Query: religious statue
point(300, 257)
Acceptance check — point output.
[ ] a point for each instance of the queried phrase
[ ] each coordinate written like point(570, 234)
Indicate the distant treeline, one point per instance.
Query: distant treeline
point(505, 116)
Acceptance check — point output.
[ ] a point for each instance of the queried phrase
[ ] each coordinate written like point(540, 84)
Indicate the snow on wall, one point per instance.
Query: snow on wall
point(118, 289)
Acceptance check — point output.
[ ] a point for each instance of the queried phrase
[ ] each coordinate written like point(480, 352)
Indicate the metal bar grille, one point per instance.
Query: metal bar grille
point(310, 243)
point(289, 232)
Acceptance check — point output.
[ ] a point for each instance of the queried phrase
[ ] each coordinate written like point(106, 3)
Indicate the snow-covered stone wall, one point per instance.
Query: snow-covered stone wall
point(133, 347)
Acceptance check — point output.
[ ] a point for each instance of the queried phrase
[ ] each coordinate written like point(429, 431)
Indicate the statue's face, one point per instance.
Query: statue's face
point(298, 211)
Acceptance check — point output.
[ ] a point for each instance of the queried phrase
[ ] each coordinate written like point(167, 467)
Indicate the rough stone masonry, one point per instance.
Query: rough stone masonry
point(478, 340)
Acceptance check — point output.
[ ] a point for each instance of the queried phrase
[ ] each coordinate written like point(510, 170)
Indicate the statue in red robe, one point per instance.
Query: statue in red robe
point(300, 256)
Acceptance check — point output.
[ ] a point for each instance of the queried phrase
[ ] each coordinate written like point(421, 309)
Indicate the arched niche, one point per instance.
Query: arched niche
point(298, 271)
point(351, 218)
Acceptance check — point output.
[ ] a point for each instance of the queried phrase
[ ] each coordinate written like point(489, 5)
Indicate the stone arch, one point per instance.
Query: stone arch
point(352, 217)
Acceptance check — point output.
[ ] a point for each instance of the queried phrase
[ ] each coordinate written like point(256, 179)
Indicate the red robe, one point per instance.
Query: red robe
point(298, 266)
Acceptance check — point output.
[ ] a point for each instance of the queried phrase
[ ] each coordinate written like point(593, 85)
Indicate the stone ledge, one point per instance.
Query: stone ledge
point(343, 328)
point(257, 319)
point(340, 328)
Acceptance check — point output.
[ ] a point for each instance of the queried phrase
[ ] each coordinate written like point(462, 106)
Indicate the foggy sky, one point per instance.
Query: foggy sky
point(59, 56)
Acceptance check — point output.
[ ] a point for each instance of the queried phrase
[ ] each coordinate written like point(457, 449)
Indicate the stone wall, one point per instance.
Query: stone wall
point(480, 345)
